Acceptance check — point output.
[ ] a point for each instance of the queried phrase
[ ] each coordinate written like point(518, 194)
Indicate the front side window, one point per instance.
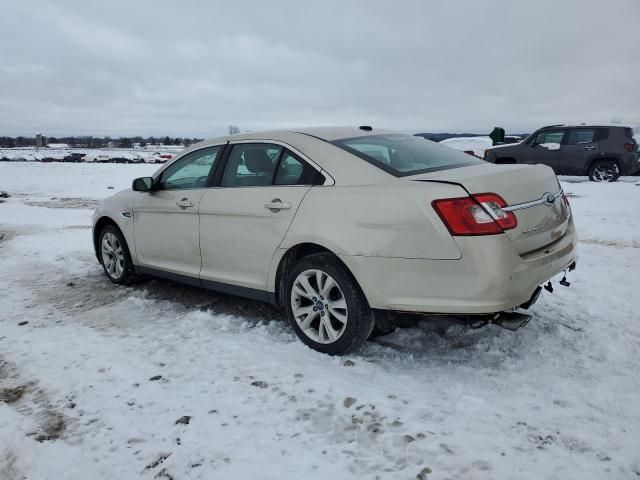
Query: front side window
point(402, 155)
point(549, 137)
point(251, 165)
point(582, 135)
point(190, 171)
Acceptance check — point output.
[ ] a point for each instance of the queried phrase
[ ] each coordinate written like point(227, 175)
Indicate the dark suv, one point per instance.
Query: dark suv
point(603, 152)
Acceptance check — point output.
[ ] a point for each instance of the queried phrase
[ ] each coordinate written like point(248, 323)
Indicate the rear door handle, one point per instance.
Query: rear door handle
point(590, 148)
point(184, 203)
point(276, 205)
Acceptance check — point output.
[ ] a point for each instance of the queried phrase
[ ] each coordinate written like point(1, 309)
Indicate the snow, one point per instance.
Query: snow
point(559, 398)
point(57, 151)
point(552, 146)
point(476, 144)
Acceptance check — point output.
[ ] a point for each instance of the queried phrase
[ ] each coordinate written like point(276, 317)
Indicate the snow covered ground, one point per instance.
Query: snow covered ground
point(148, 154)
point(164, 381)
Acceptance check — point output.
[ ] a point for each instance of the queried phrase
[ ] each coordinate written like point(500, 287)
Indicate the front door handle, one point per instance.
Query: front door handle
point(590, 148)
point(276, 205)
point(184, 203)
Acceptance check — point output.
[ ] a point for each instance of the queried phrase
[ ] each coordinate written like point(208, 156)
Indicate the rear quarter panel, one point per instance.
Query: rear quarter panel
point(394, 220)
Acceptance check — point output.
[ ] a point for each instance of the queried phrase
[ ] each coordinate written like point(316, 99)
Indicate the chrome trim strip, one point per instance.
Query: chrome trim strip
point(546, 199)
point(328, 179)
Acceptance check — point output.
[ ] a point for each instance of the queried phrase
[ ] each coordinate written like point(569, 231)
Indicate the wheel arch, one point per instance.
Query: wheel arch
point(294, 254)
point(596, 159)
point(97, 228)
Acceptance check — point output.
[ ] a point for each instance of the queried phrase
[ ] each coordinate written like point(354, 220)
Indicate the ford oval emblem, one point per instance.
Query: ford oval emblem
point(548, 199)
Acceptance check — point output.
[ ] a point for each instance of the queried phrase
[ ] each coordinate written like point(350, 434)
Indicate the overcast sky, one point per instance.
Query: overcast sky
point(191, 68)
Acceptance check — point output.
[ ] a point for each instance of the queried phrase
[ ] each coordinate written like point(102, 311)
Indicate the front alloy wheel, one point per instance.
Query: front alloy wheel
point(112, 256)
point(115, 257)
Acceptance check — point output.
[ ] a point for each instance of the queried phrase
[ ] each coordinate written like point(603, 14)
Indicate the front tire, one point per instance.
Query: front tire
point(325, 306)
point(604, 171)
point(115, 257)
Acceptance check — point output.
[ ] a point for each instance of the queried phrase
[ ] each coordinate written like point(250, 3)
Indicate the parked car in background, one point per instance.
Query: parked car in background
point(603, 152)
point(341, 226)
point(512, 139)
point(96, 157)
point(475, 146)
point(74, 157)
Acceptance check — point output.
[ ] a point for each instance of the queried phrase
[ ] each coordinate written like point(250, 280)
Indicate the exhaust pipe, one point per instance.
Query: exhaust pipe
point(511, 320)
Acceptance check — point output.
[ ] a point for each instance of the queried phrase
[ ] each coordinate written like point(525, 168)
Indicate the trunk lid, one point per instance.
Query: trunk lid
point(539, 224)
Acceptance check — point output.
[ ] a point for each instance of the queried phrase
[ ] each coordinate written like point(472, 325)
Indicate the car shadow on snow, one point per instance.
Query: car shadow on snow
point(437, 339)
point(95, 290)
point(432, 338)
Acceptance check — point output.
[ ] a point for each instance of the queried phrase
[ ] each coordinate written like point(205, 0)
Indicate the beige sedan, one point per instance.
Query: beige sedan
point(341, 226)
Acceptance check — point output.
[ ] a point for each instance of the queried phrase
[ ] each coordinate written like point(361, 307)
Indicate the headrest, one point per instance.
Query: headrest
point(257, 161)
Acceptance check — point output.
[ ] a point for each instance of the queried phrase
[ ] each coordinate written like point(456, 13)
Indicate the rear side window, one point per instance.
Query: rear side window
point(251, 165)
point(294, 171)
point(402, 155)
point(582, 135)
point(265, 164)
point(601, 134)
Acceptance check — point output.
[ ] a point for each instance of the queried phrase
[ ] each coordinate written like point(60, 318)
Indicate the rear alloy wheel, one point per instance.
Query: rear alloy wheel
point(325, 306)
point(114, 256)
point(604, 171)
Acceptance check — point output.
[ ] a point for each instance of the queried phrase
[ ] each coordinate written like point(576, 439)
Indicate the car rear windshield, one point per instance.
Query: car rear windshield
point(403, 155)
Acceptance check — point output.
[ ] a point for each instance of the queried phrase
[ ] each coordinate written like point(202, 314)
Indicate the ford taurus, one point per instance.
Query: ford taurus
point(339, 226)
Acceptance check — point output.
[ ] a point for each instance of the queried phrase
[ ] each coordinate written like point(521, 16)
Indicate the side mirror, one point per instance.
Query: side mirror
point(142, 184)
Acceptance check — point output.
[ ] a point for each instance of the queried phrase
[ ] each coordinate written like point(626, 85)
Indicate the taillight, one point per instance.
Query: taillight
point(629, 147)
point(479, 214)
point(565, 200)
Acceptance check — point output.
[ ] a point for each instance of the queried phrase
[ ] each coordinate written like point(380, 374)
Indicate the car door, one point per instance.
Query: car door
point(581, 147)
point(165, 225)
point(245, 218)
point(544, 147)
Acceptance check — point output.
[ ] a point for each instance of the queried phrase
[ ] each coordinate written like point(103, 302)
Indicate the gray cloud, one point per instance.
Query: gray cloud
point(191, 68)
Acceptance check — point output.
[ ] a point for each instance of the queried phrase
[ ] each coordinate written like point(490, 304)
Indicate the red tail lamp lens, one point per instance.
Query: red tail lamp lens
point(480, 214)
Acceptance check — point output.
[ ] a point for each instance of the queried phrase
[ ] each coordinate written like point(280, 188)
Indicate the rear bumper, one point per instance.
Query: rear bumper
point(490, 277)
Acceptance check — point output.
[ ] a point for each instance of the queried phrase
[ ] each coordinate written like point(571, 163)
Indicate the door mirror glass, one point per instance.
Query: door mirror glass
point(142, 184)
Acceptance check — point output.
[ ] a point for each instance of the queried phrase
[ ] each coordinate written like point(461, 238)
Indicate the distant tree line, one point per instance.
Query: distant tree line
point(98, 142)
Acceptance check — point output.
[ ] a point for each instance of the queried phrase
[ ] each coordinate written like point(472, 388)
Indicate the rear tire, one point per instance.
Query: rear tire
point(385, 323)
point(115, 257)
point(339, 320)
point(604, 171)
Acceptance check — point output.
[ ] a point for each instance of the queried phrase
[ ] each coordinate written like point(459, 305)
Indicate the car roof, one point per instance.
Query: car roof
point(590, 125)
point(328, 134)
point(344, 167)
